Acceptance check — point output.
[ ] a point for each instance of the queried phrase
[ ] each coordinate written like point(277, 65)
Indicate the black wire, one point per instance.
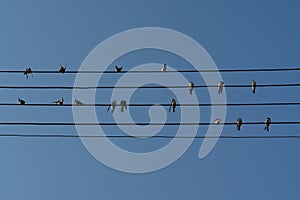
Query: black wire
point(142, 137)
point(147, 87)
point(137, 123)
point(181, 71)
point(165, 104)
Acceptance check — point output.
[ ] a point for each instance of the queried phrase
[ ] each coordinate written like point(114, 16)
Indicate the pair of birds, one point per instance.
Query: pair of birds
point(28, 70)
point(58, 102)
point(221, 85)
point(113, 105)
point(239, 123)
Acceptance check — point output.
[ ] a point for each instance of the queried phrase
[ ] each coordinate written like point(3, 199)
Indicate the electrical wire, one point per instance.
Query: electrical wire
point(144, 137)
point(139, 123)
point(164, 104)
point(148, 87)
point(180, 71)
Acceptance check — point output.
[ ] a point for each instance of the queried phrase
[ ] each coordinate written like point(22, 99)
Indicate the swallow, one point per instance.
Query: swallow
point(220, 87)
point(172, 105)
point(253, 84)
point(78, 103)
point(217, 121)
point(123, 105)
point(191, 87)
point(59, 102)
point(21, 101)
point(118, 69)
point(164, 68)
point(267, 124)
point(27, 72)
point(239, 123)
point(62, 69)
point(112, 104)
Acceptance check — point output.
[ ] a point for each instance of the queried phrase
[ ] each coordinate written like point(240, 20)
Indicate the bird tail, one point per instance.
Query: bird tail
point(108, 108)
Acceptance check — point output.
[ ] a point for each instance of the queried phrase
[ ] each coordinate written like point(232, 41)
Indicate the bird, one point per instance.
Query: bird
point(78, 103)
point(62, 69)
point(253, 84)
point(21, 101)
point(59, 102)
point(27, 72)
point(123, 105)
point(191, 87)
point(112, 104)
point(118, 69)
point(218, 121)
point(239, 123)
point(220, 87)
point(164, 68)
point(172, 105)
point(267, 124)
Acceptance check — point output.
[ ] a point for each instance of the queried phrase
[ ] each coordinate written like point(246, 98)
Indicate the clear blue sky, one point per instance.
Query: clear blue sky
point(237, 34)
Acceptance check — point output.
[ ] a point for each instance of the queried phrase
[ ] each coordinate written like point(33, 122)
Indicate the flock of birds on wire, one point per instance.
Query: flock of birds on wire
point(172, 107)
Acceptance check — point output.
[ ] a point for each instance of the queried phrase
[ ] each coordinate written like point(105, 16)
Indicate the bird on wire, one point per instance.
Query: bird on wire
point(253, 84)
point(267, 124)
point(239, 123)
point(21, 101)
point(112, 105)
point(164, 68)
point(217, 121)
point(191, 87)
point(172, 105)
point(62, 69)
point(78, 103)
point(220, 87)
point(118, 69)
point(59, 102)
point(27, 72)
point(123, 105)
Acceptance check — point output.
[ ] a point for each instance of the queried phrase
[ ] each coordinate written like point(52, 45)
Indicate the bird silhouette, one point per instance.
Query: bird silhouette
point(253, 84)
point(164, 68)
point(218, 121)
point(191, 87)
point(123, 105)
point(27, 72)
point(172, 105)
point(220, 87)
point(118, 69)
point(267, 124)
point(59, 102)
point(62, 69)
point(112, 104)
point(21, 101)
point(78, 103)
point(239, 123)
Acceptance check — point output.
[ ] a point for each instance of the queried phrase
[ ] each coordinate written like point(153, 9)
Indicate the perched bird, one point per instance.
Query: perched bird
point(59, 102)
point(191, 87)
point(220, 87)
point(62, 69)
point(78, 103)
point(118, 69)
point(123, 105)
point(267, 124)
point(21, 101)
point(217, 121)
point(112, 104)
point(172, 105)
point(239, 123)
point(253, 84)
point(164, 68)
point(27, 72)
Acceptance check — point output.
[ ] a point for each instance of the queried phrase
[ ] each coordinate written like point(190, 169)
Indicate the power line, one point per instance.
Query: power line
point(164, 104)
point(143, 137)
point(139, 123)
point(158, 71)
point(148, 87)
